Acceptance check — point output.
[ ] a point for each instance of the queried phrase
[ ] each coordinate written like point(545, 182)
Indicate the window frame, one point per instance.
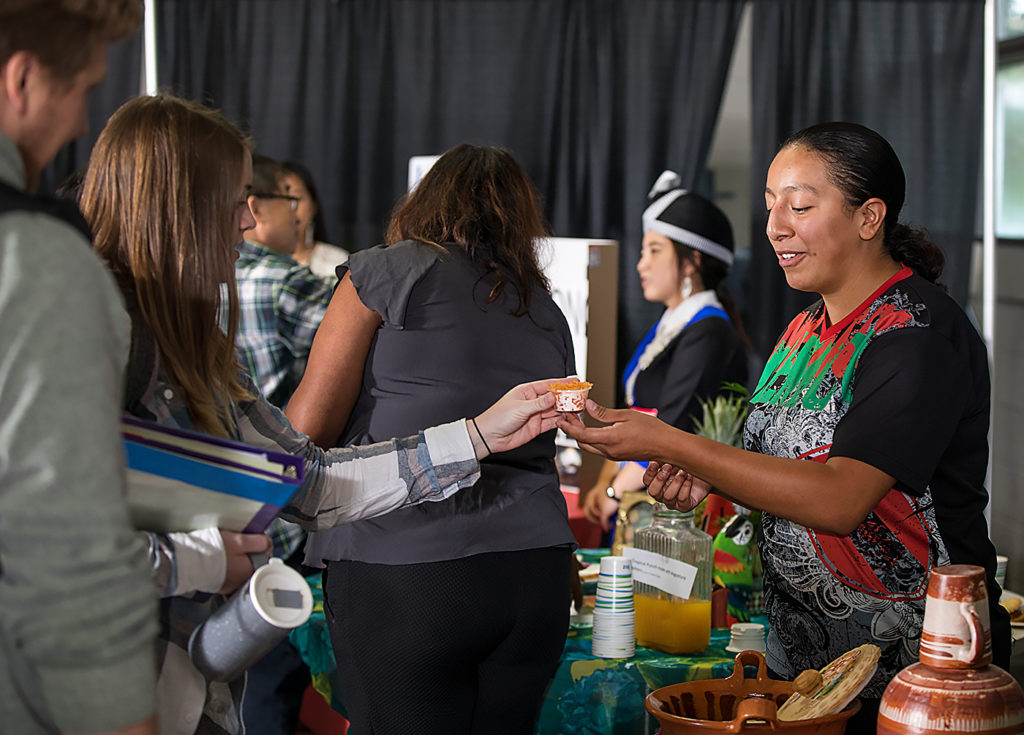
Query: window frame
point(1009, 52)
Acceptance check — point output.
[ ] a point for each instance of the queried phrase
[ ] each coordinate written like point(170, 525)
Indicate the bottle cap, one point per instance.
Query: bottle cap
point(746, 637)
point(280, 595)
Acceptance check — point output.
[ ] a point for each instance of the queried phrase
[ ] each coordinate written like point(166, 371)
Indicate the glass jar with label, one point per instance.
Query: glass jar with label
point(673, 602)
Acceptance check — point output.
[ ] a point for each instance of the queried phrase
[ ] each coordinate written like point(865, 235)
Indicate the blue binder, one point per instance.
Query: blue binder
point(182, 480)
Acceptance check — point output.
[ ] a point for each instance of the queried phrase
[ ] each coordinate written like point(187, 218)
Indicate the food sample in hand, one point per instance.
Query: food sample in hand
point(570, 397)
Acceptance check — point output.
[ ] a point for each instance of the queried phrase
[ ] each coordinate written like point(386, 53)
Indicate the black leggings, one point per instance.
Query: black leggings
point(451, 647)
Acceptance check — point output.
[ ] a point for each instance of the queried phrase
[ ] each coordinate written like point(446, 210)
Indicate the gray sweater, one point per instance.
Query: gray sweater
point(77, 604)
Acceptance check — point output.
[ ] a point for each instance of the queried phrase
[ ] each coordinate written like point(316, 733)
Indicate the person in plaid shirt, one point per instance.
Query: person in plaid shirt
point(281, 302)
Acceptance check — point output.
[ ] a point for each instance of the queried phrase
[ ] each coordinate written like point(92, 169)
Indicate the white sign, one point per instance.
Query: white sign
point(668, 575)
point(565, 262)
point(418, 167)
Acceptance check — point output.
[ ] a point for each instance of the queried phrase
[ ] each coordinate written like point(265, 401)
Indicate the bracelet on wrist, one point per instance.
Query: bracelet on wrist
point(481, 435)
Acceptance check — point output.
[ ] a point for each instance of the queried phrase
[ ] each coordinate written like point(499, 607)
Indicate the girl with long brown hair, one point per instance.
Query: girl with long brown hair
point(165, 194)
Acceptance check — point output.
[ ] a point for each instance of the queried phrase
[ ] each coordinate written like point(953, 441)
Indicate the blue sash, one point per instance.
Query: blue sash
point(707, 311)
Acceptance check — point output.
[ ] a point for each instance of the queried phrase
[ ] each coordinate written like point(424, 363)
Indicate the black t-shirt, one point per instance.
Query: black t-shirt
point(901, 384)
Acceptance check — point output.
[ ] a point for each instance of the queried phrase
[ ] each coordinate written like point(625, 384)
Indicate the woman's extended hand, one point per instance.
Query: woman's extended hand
point(237, 547)
point(520, 415)
point(627, 434)
point(674, 487)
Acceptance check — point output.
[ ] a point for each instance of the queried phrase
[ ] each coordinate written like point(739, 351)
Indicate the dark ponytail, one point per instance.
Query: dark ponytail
point(911, 246)
point(863, 165)
point(712, 273)
point(733, 310)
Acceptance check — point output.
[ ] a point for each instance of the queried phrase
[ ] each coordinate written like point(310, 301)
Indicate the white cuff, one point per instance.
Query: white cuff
point(199, 560)
point(450, 444)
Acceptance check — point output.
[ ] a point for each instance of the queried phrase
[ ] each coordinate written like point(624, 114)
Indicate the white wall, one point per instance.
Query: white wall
point(1007, 441)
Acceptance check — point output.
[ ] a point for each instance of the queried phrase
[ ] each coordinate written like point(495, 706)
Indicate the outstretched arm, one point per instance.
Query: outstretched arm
point(350, 483)
point(834, 497)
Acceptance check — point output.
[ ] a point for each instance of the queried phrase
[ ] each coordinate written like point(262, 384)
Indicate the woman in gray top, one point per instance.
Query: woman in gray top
point(469, 599)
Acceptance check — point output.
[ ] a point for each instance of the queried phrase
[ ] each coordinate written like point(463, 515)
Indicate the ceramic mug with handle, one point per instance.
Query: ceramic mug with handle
point(956, 632)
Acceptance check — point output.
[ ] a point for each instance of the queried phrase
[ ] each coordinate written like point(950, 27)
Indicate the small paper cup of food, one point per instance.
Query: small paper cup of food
point(570, 397)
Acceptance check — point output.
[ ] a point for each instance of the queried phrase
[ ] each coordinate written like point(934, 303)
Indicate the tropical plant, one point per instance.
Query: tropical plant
point(723, 416)
point(722, 420)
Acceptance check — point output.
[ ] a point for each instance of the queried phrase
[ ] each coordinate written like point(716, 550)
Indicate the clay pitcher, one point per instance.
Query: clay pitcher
point(955, 688)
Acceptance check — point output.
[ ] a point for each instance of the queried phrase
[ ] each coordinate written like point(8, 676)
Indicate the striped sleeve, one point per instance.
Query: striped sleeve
point(351, 483)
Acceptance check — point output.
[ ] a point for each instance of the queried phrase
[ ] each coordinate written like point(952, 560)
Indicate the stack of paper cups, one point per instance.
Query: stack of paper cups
point(614, 617)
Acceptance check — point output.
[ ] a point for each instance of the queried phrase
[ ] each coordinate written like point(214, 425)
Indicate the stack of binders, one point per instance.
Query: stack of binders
point(183, 480)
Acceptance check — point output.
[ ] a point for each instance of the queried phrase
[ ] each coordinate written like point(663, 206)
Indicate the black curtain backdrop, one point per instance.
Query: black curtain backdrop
point(594, 97)
point(910, 69)
point(123, 81)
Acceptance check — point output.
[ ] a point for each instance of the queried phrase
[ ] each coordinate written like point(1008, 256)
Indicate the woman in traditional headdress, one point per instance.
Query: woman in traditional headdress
point(698, 344)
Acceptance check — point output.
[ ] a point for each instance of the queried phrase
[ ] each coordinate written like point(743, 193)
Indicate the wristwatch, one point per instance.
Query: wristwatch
point(610, 492)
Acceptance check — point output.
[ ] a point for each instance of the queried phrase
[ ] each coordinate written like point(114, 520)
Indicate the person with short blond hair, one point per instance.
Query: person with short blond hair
point(77, 614)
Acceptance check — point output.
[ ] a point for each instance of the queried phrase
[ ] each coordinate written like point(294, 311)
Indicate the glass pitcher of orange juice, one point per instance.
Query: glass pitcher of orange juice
point(666, 621)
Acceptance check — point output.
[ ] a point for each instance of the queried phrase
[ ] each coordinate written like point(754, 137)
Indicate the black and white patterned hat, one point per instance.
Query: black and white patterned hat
point(688, 218)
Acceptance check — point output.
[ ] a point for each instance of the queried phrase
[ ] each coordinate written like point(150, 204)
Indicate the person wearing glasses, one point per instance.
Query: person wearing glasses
point(312, 249)
point(281, 302)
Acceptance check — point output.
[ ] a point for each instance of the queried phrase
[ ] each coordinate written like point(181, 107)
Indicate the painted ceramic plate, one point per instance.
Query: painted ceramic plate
point(841, 681)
